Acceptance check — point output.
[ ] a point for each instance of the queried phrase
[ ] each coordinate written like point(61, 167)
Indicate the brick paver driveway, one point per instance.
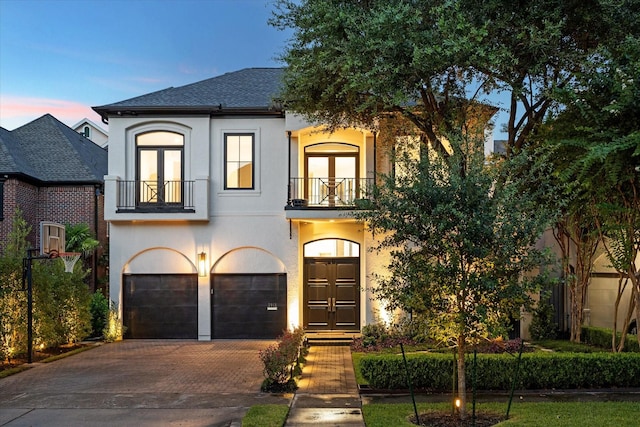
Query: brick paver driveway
point(141, 382)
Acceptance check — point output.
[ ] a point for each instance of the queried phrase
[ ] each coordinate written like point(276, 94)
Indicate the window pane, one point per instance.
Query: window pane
point(318, 183)
point(172, 176)
point(331, 148)
point(332, 248)
point(245, 148)
point(160, 138)
point(148, 173)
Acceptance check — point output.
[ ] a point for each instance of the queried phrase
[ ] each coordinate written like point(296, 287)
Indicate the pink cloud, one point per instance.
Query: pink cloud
point(16, 111)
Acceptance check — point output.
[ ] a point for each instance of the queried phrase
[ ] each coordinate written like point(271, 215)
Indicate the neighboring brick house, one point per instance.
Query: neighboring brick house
point(52, 173)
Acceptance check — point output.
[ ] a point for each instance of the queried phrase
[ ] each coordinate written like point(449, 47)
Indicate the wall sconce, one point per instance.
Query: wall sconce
point(202, 264)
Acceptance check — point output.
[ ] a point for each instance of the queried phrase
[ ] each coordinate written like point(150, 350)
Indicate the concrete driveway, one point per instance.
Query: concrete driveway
point(142, 383)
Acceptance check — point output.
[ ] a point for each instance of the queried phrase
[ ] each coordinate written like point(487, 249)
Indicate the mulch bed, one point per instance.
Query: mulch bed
point(39, 355)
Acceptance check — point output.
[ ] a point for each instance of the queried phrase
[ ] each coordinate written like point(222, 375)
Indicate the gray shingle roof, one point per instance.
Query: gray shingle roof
point(12, 159)
point(50, 151)
point(247, 89)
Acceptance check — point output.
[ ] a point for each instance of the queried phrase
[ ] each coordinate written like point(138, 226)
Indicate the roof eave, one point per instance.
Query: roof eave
point(216, 110)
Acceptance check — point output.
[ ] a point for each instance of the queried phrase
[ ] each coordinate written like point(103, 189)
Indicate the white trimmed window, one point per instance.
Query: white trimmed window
point(239, 152)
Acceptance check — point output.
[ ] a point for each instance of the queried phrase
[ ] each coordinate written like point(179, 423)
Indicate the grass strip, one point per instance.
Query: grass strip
point(11, 371)
point(66, 354)
point(266, 416)
point(528, 414)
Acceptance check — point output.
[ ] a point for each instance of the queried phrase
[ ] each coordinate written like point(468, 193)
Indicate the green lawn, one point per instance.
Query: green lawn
point(573, 414)
point(266, 416)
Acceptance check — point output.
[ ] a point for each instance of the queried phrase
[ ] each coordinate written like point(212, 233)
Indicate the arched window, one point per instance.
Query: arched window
point(87, 132)
point(331, 248)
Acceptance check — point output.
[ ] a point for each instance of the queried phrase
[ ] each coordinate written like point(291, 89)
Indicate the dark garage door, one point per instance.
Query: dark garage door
point(160, 306)
point(248, 305)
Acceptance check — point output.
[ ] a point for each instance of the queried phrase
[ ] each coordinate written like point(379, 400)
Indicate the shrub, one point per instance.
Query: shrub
point(13, 298)
point(601, 337)
point(61, 304)
point(495, 371)
point(282, 361)
point(99, 314)
point(498, 346)
point(377, 336)
point(114, 330)
point(542, 325)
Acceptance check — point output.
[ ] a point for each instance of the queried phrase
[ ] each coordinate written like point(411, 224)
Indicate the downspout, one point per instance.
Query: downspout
point(289, 169)
point(96, 229)
point(375, 157)
point(289, 181)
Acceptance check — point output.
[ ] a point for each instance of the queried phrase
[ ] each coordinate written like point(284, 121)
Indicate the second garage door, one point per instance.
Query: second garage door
point(248, 305)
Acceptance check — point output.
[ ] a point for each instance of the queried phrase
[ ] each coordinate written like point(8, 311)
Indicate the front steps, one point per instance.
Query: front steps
point(331, 337)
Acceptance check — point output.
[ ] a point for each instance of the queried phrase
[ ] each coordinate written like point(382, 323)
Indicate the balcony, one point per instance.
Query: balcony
point(148, 196)
point(327, 193)
point(150, 200)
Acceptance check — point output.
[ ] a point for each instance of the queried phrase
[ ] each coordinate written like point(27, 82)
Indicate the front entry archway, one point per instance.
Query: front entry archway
point(331, 285)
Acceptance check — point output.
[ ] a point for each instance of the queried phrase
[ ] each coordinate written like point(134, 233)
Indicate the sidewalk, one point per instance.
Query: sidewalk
point(327, 391)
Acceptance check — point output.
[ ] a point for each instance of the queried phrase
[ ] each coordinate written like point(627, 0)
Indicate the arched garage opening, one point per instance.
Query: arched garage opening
point(248, 295)
point(160, 296)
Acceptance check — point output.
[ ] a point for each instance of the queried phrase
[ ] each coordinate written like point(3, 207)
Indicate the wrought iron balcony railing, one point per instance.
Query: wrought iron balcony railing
point(328, 192)
point(154, 196)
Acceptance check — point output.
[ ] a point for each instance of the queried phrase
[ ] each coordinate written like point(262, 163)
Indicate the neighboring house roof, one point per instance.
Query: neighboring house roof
point(251, 90)
point(95, 126)
point(49, 151)
point(12, 160)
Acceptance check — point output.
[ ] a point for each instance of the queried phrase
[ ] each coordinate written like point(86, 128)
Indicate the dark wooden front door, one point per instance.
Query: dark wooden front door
point(331, 294)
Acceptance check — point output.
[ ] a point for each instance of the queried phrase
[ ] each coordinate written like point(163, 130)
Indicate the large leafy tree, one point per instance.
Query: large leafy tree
point(599, 135)
point(351, 61)
point(461, 246)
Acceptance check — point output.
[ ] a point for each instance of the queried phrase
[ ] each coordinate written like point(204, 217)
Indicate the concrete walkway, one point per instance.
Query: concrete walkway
point(327, 392)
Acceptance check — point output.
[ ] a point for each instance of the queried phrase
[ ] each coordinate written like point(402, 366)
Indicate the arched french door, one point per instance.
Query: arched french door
point(331, 285)
point(332, 174)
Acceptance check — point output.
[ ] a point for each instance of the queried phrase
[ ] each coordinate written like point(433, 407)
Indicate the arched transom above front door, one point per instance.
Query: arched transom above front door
point(331, 285)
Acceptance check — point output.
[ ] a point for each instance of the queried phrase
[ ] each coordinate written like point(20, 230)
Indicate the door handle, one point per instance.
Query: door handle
point(333, 303)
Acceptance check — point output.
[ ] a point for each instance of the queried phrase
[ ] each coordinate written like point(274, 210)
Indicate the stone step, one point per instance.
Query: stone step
point(331, 338)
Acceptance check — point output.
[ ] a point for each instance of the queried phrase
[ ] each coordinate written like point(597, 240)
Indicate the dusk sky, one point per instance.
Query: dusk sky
point(64, 56)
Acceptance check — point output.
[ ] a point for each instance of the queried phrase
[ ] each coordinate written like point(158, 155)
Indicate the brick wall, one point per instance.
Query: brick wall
point(65, 204)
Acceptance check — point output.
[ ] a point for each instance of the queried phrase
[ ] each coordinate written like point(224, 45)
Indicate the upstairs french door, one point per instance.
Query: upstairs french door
point(332, 177)
point(159, 170)
point(160, 176)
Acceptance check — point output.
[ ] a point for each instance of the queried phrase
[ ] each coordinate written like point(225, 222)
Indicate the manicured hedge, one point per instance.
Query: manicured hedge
point(495, 371)
point(601, 337)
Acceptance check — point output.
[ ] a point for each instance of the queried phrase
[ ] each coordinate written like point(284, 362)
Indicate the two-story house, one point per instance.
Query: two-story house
point(233, 218)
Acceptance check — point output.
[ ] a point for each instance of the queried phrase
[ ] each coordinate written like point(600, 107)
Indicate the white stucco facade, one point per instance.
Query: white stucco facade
point(245, 231)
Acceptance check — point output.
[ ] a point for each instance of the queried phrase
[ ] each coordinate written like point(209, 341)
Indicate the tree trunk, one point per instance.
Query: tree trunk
point(635, 279)
point(462, 380)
